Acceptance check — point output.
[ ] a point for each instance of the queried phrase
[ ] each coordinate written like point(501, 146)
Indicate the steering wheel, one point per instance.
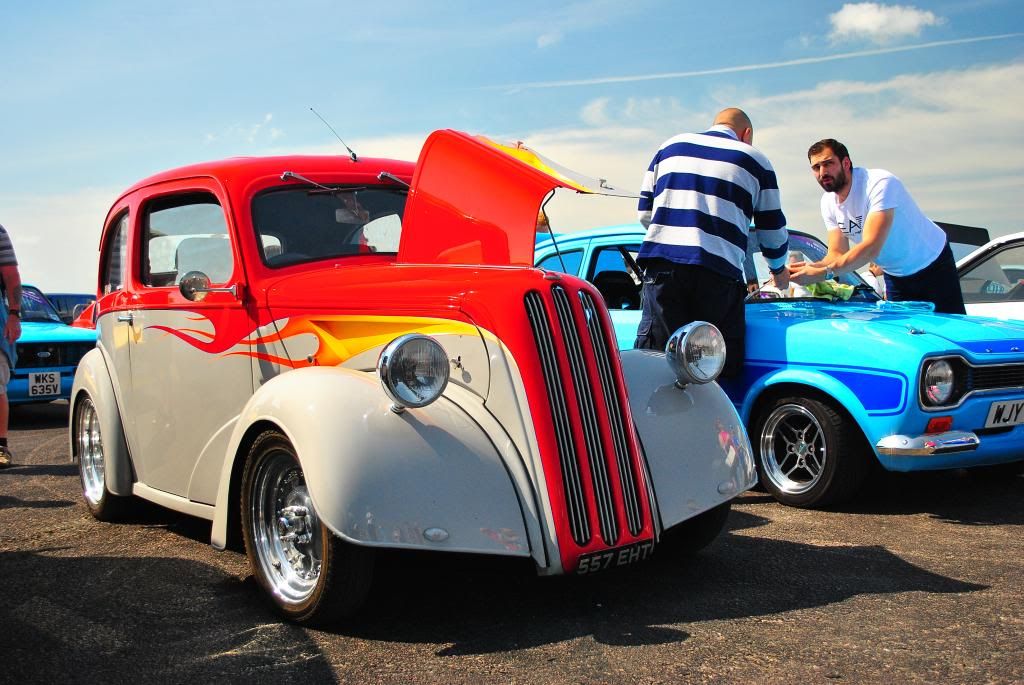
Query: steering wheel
point(762, 295)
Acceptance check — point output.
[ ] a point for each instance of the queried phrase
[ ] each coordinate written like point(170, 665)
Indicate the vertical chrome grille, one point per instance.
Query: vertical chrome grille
point(569, 324)
point(588, 415)
point(630, 486)
point(571, 481)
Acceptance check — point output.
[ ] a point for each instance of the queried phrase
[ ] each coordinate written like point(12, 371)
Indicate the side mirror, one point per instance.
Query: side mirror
point(195, 285)
point(79, 308)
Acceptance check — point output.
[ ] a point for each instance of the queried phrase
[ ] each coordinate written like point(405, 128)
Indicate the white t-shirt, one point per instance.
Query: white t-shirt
point(914, 240)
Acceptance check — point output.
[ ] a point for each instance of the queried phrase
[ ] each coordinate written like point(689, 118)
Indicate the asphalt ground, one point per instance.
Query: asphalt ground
point(920, 581)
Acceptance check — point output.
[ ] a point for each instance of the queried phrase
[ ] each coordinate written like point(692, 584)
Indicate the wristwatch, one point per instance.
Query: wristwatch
point(14, 312)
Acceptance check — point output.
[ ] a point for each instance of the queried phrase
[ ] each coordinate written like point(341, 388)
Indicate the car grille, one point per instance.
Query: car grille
point(51, 354)
point(599, 464)
point(998, 377)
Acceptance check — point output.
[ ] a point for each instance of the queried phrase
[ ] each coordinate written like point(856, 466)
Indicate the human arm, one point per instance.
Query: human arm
point(12, 285)
point(645, 205)
point(876, 230)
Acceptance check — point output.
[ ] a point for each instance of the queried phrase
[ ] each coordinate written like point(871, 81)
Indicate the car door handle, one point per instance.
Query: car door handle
point(126, 318)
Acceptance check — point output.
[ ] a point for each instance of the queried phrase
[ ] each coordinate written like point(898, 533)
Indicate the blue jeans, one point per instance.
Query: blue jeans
point(937, 283)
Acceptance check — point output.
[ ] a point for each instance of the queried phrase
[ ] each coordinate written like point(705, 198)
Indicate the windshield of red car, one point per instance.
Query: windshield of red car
point(302, 224)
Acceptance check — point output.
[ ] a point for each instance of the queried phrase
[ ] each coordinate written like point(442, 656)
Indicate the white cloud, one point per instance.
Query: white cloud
point(250, 133)
point(548, 39)
point(948, 135)
point(879, 23)
point(593, 113)
point(951, 136)
point(57, 236)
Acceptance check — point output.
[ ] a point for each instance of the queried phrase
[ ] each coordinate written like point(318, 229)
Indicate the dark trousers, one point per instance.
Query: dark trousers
point(936, 283)
point(674, 295)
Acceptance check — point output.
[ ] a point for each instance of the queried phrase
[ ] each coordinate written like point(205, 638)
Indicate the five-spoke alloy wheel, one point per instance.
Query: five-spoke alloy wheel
point(808, 453)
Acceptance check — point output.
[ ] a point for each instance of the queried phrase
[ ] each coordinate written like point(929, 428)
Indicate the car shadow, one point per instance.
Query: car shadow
point(477, 607)
point(111, 619)
point(7, 502)
point(979, 497)
point(38, 416)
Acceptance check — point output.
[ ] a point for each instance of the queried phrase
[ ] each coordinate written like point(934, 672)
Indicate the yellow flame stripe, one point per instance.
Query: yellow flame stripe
point(344, 336)
point(530, 158)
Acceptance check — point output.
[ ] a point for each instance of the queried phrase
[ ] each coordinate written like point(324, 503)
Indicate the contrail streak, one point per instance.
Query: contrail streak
point(754, 67)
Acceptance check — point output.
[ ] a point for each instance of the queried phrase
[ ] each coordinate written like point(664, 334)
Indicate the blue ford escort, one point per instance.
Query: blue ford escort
point(835, 377)
point(47, 353)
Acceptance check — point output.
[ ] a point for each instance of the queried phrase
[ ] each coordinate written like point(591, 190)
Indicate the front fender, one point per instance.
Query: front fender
point(424, 478)
point(829, 384)
point(697, 449)
point(92, 378)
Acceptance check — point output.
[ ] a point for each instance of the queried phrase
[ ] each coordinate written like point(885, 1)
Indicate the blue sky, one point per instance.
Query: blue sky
point(94, 96)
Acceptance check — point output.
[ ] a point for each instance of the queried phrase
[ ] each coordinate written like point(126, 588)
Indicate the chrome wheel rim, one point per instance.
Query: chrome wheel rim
point(285, 529)
point(90, 452)
point(793, 451)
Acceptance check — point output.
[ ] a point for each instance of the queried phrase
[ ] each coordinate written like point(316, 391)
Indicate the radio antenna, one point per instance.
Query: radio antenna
point(350, 152)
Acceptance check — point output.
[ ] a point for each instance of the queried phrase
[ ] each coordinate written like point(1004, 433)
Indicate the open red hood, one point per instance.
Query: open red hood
point(475, 201)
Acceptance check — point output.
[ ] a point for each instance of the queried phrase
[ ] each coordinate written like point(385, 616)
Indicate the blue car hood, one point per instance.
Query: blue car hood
point(45, 331)
point(865, 330)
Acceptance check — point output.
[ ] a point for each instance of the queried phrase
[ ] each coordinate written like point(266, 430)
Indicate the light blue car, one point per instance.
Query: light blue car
point(829, 385)
point(48, 352)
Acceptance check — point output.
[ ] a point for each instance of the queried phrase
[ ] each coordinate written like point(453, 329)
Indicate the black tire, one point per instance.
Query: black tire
point(310, 575)
point(684, 540)
point(85, 429)
point(809, 454)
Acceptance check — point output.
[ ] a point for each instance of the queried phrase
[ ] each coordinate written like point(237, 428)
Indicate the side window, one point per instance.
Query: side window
point(609, 258)
point(612, 277)
point(115, 257)
point(572, 260)
point(1000, 278)
point(185, 233)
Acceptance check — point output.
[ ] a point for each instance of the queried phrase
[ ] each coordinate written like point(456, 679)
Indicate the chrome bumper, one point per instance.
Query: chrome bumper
point(928, 444)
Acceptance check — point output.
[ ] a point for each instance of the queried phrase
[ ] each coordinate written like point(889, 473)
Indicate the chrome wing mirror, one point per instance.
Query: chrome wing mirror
point(195, 285)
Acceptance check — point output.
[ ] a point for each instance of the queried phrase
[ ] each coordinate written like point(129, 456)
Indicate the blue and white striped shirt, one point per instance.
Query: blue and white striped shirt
point(699, 198)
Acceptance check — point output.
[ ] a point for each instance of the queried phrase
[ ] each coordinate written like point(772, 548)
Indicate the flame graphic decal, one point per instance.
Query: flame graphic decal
point(338, 338)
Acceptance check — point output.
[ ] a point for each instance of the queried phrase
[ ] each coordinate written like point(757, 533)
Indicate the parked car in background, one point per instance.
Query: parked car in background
point(70, 305)
point(48, 351)
point(833, 382)
point(360, 355)
point(992, 278)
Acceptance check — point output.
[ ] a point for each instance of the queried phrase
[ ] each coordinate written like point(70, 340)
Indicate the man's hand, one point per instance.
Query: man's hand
point(12, 331)
point(803, 274)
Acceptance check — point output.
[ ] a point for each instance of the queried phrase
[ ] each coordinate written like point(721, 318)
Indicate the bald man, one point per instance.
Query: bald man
point(698, 199)
point(870, 217)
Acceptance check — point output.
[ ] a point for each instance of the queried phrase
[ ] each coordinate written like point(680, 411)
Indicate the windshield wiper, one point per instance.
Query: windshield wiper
point(388, 176)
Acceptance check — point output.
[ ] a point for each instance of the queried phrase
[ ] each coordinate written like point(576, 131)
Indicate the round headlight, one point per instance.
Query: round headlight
point(696, 353)
point(413, 370)
point(938, 382)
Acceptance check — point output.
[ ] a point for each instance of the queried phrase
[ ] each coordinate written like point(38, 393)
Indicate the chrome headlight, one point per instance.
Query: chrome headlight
point(413, 370)
point(696, 353)
point(937, 382)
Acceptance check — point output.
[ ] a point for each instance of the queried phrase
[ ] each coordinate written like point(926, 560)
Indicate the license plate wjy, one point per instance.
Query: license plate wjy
point(1006, 413)
point(43, 383)
point(612, 558)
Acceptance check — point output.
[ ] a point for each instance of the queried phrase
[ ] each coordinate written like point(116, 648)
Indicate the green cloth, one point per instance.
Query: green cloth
point(830, 290)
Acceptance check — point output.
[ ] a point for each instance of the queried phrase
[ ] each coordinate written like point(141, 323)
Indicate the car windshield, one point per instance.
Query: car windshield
point(35, 306)
point(301, 224)
point(809, 249)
